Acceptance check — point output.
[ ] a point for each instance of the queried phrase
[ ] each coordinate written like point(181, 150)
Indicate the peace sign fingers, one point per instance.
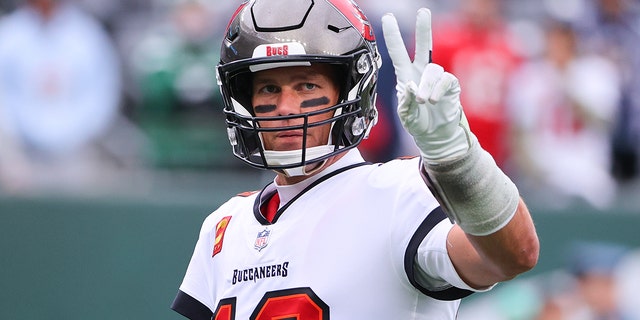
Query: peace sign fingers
point(405, 69)
point(397, 50)
point(424, 42)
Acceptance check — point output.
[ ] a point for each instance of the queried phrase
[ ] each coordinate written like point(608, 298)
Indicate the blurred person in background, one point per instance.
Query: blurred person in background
point(176, 97)
point(613, 30)
point(593, 292)
point(594, 279)
point(562, 106)
point(475, 44)
point(59, 96)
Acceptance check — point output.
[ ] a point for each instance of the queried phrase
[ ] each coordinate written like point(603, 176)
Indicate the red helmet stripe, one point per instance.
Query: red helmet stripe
point(235, 14)
point(357, 18)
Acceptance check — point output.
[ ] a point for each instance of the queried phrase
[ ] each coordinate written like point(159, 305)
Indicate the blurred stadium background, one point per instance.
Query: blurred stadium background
point(103, 228)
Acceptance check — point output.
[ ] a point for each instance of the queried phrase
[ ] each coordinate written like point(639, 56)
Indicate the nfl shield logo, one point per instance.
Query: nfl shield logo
point(262, 240)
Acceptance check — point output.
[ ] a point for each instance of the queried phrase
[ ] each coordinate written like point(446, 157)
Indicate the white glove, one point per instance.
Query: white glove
point(469, 186)
point(431, 111)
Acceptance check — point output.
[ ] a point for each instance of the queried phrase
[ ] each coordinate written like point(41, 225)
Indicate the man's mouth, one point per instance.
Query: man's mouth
point(290, 134)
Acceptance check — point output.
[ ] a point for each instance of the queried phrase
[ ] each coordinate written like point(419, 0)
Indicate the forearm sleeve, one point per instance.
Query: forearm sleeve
point(473, 191)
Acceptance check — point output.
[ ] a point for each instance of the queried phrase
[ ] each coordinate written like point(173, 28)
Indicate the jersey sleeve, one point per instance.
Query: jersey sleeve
point(426, 262)
point(419, 228)
point(191, 308)
point(434, 269)
point(192, 300)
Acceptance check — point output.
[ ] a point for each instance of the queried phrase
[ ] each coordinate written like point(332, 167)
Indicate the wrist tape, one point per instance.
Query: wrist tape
point(473, 191)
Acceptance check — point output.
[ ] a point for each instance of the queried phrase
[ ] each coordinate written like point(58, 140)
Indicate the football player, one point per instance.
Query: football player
point(333, 236)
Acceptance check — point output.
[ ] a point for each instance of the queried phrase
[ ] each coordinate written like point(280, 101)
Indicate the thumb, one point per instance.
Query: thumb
point(407, 97)
point(409, 110)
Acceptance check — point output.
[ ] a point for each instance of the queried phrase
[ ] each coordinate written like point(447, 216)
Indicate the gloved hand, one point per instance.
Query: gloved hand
point(428, 97)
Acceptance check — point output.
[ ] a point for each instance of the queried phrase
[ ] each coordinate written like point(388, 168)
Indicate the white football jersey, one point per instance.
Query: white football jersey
point(343, 249)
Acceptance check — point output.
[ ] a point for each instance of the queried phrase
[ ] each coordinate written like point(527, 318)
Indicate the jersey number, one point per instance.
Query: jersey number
point(294, 304)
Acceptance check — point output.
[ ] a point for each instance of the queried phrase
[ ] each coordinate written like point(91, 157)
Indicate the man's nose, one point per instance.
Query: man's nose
point(288, 103)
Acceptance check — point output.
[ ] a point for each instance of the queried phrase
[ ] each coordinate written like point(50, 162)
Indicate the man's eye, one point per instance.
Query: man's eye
point(269, 89)
point(309, 86)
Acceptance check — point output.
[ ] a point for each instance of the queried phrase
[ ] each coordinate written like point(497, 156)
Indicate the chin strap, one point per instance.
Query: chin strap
point(282, 158)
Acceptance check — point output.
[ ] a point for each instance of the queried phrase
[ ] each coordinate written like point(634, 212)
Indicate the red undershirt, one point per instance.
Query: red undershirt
point(270, 208)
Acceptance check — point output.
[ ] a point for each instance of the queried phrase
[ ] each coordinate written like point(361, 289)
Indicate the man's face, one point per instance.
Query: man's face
point(291, 91)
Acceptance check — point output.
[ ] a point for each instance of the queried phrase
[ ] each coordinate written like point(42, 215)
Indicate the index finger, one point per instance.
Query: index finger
point(424, 42)
point(396, 48)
